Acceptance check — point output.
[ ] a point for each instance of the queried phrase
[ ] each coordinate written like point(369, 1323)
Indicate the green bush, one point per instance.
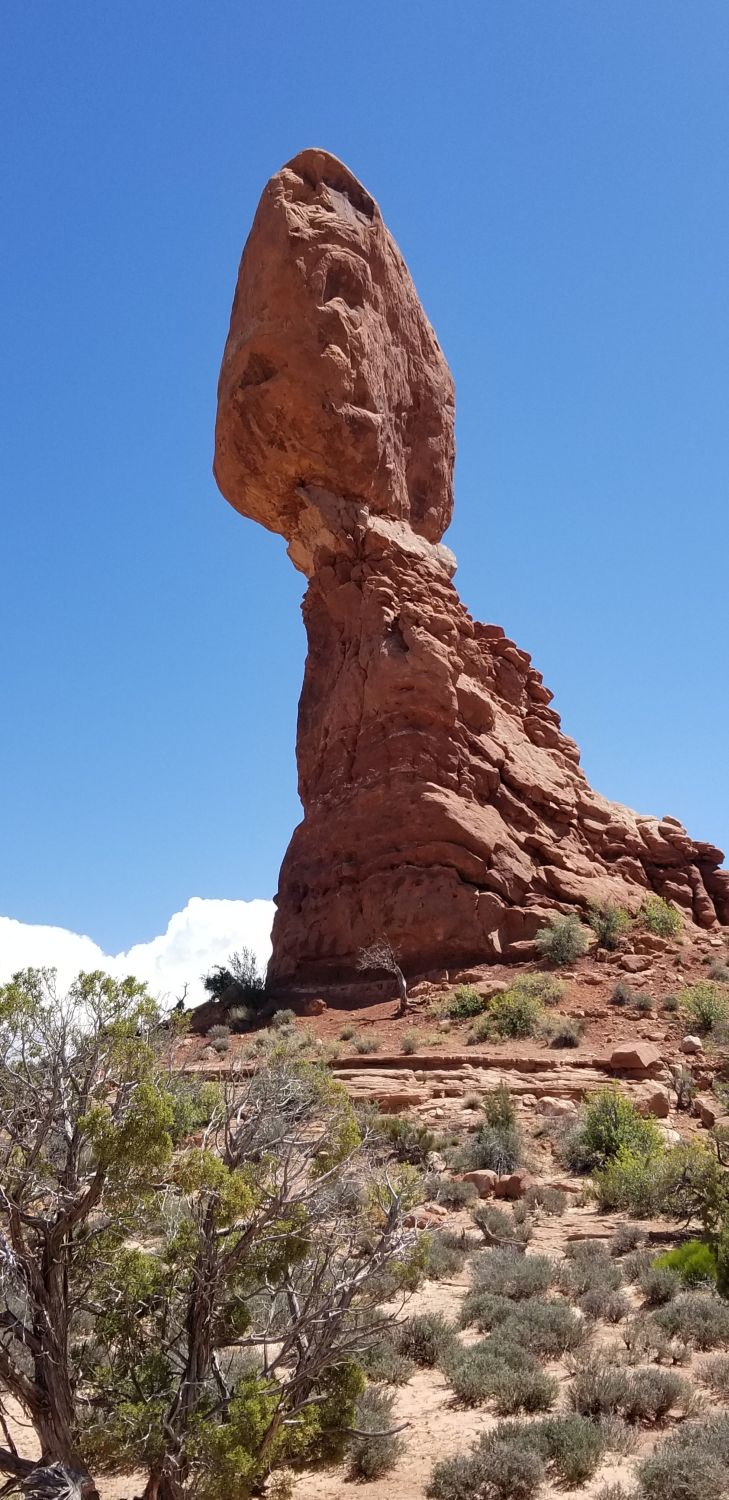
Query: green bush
point(609, 1126)
point(408, 1140)
point(409, 1043)
point(428, 1339)
point(219, 1038)
point(499, 1108)
point(545, 987)
point(704, 1004)
point(698, 1319)
point(515, 1014)
point(564, 940)
point(589, 1268)
point(493, 1148)
point(658, 916)
point(693, 1263)
point(372, 1456)
point(464, 1003)
point(684, 1182)
point(484, 1311)
point(507, 1273)
point(609, 923)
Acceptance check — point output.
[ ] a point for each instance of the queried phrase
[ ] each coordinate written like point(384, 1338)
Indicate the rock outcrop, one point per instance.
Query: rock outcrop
point(443, 804)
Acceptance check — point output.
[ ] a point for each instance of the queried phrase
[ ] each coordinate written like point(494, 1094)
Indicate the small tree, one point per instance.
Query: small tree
point(382, 955)
point(195, 1310)
point(86, 1131)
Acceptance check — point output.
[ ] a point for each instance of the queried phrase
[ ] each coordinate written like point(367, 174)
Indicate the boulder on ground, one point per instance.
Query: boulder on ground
point(692, 1045)
point(635, 1057)
point(314, 1007)
point(514, 1185)
point(558, 1109)
point(655, 1102)
point(485, 1182)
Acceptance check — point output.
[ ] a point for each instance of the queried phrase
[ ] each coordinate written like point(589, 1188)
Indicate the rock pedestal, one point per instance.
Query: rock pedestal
point(443, 805)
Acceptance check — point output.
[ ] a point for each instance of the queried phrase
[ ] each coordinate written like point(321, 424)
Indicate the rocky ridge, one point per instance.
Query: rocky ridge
point(443, 804)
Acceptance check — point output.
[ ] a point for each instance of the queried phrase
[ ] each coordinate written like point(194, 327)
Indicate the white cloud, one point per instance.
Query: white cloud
point(204, 933)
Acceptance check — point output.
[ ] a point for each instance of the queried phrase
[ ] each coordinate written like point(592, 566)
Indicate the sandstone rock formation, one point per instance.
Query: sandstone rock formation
point(443, 805)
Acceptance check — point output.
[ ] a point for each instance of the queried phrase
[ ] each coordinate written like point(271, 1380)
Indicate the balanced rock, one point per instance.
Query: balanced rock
point(443, 804)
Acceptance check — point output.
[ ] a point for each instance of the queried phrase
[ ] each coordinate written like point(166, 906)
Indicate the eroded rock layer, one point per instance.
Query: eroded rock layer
point(443, 805)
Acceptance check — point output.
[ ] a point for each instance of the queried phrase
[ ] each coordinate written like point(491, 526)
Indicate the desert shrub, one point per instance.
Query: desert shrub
point(545, 987)
point(572, 1444)
point(552, 1200)
point(219, 1038)
point(507, 1273)
point(719, 971)
point(282, 1019)
point(609, 923)
point(622, 994)
point(366, 1045)
point(714, 1372)
point(373, 1454)
point(635, 1263)
point(547, 1329)
point(446, 1255)
point(684, 1182)
point(408, 1140)
point(670, 1003)
point(565, 1033)
point(427, 1338)
point(612, 1490)
point(484, 1311)
point(693, 1263)
point(599, 1388)
point(698, 1318)
point(589, 1268)
point(691, 1464)
point(504, 1373)
point(653, 1392)
point(464, 1003)
point(627, 1237)
point(496, 1222)
point(644, 1003)
point(347, 1033)
point(563, 940)
point(609, 1126)
point(440, 1188)
point(516, 1013)
point(659, 1285)
point(603, 1305)
point(496, 1148)
point(660, 917)
point(704, 1004)
point(499, 1469)
point(499, 1108)
point(644, 1340)
point(684, 1087)
point(383, 1362)
point(409, 1043)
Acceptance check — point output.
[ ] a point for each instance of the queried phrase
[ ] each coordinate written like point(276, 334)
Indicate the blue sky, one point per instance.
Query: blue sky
point(556, 173)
